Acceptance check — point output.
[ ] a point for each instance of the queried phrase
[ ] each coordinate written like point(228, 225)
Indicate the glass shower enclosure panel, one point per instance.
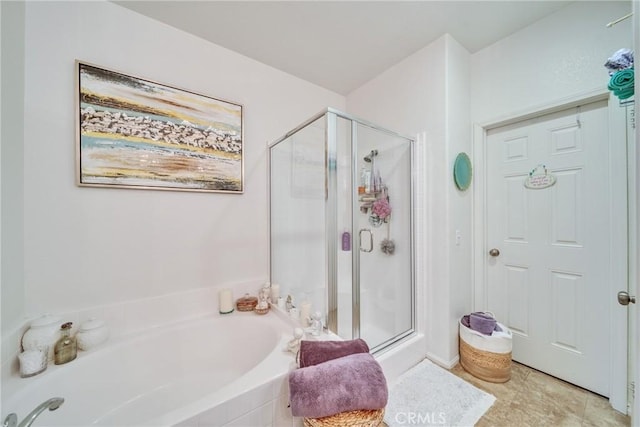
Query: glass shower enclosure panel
point(341, 226)
point(297, 217)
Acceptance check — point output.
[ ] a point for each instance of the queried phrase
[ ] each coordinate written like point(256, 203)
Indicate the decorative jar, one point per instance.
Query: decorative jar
point(43, 332)
point(32, 362)
point(92, 333)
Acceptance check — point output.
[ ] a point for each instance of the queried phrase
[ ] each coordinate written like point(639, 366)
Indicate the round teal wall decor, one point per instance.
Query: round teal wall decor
point(462, 171)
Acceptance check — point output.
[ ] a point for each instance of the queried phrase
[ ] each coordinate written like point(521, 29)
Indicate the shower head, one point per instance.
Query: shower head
point(370, 156)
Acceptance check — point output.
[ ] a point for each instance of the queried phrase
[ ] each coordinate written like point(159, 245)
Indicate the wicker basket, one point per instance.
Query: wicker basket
point(487, 365)
point(360, 418)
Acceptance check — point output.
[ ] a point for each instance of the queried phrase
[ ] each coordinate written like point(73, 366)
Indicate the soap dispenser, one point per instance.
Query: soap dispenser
point(66, 348)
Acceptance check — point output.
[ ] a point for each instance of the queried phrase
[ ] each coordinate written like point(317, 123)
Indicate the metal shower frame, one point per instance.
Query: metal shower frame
point(331, 196)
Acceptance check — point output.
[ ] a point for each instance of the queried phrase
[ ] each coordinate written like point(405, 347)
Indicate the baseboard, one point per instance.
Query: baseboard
point(443, 363)
point(402, 357)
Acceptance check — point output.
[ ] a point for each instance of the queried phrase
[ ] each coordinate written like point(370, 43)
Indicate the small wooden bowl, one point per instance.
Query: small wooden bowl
point(247, 303)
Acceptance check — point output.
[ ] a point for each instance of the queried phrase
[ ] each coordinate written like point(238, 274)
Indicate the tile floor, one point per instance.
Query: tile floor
point(532, 398)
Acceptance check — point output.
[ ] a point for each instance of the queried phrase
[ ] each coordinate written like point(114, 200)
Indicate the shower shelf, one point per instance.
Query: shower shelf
point(367, 199)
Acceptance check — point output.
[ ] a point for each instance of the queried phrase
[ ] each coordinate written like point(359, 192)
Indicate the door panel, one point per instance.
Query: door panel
point(550, 283)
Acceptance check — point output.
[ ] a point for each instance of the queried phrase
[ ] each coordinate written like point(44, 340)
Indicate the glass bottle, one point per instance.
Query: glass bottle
point(66, 348)
point(363, 181)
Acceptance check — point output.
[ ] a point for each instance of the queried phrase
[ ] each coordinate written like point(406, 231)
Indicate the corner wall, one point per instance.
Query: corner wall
point(460, 233)
point(426, 95)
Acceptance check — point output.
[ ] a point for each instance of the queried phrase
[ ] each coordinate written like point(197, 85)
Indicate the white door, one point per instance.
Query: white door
point(550, 282)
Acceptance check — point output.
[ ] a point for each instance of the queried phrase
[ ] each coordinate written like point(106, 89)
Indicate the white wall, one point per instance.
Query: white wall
point(558, 57)
point(12, 163)
point(91, 246)
point(460, 202)
point(426, 95)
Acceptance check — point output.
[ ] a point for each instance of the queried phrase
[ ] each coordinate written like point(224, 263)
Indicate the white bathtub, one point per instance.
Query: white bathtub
point(211, 371)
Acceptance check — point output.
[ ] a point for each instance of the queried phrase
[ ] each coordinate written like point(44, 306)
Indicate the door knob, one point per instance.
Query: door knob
point(494, 252)
point(624, 298)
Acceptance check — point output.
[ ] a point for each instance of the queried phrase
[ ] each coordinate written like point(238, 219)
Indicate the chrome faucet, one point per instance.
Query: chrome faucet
point(51, 404)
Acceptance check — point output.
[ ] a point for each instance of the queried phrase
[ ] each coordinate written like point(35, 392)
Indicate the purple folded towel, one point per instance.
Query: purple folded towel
point(482, 322)
point(315, 352)
point(348, 383)
point(478, 325)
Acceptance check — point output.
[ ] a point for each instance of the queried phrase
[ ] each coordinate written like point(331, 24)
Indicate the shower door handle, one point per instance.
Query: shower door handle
point(370, 240)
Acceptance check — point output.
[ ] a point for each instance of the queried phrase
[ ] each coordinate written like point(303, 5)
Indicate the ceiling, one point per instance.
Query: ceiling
point(341, 45)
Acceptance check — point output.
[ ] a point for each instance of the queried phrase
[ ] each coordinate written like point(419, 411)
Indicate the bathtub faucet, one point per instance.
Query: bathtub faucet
point(51, 404)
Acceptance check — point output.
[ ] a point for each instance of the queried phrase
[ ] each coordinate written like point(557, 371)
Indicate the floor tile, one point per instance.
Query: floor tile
point(598, 412)
point(532, 398)
point(502, 391)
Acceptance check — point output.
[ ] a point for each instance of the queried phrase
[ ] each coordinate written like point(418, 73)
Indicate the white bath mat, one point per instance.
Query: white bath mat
point(428, 395)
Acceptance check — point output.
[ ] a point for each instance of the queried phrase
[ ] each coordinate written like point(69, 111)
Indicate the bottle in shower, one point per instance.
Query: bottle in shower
point(346, 241)
point(66, 348)
point(363, 181)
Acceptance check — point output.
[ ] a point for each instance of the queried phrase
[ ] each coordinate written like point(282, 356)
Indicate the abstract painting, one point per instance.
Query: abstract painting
point(135, 133)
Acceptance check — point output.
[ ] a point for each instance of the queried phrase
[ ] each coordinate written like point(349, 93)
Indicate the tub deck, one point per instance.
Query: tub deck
point(165, 376)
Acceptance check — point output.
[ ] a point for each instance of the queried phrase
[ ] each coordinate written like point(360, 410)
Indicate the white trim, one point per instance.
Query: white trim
point(618, 253)
point(447, 364)
point(479, 300)
point(619, 379)
point(552, 107)
point(421, 230)
point(633, 255)
point(634, 262)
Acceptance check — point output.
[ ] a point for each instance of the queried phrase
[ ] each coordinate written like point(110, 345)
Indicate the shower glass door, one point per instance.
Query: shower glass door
point(383, 224)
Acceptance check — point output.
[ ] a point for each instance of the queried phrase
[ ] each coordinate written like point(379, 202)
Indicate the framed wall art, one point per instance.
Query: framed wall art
point(135, 133)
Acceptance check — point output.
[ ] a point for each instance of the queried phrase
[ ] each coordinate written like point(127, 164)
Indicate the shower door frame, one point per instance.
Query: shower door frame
point(355, 244)
point(331, 116)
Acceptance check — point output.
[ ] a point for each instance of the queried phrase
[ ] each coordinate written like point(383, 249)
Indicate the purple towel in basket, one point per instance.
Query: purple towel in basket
point(349, 383)
point(315, 352)
point(482, 322)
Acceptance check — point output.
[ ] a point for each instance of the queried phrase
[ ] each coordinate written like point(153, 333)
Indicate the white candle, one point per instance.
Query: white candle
point(305, 313)
point(275, 292)
point(225, 301)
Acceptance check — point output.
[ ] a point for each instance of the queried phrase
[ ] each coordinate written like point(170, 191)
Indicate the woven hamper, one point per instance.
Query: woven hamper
point(486, 357)
point(360, 418)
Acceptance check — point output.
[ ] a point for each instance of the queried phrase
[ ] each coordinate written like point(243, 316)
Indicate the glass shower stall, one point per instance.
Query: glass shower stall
point(341, 226)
